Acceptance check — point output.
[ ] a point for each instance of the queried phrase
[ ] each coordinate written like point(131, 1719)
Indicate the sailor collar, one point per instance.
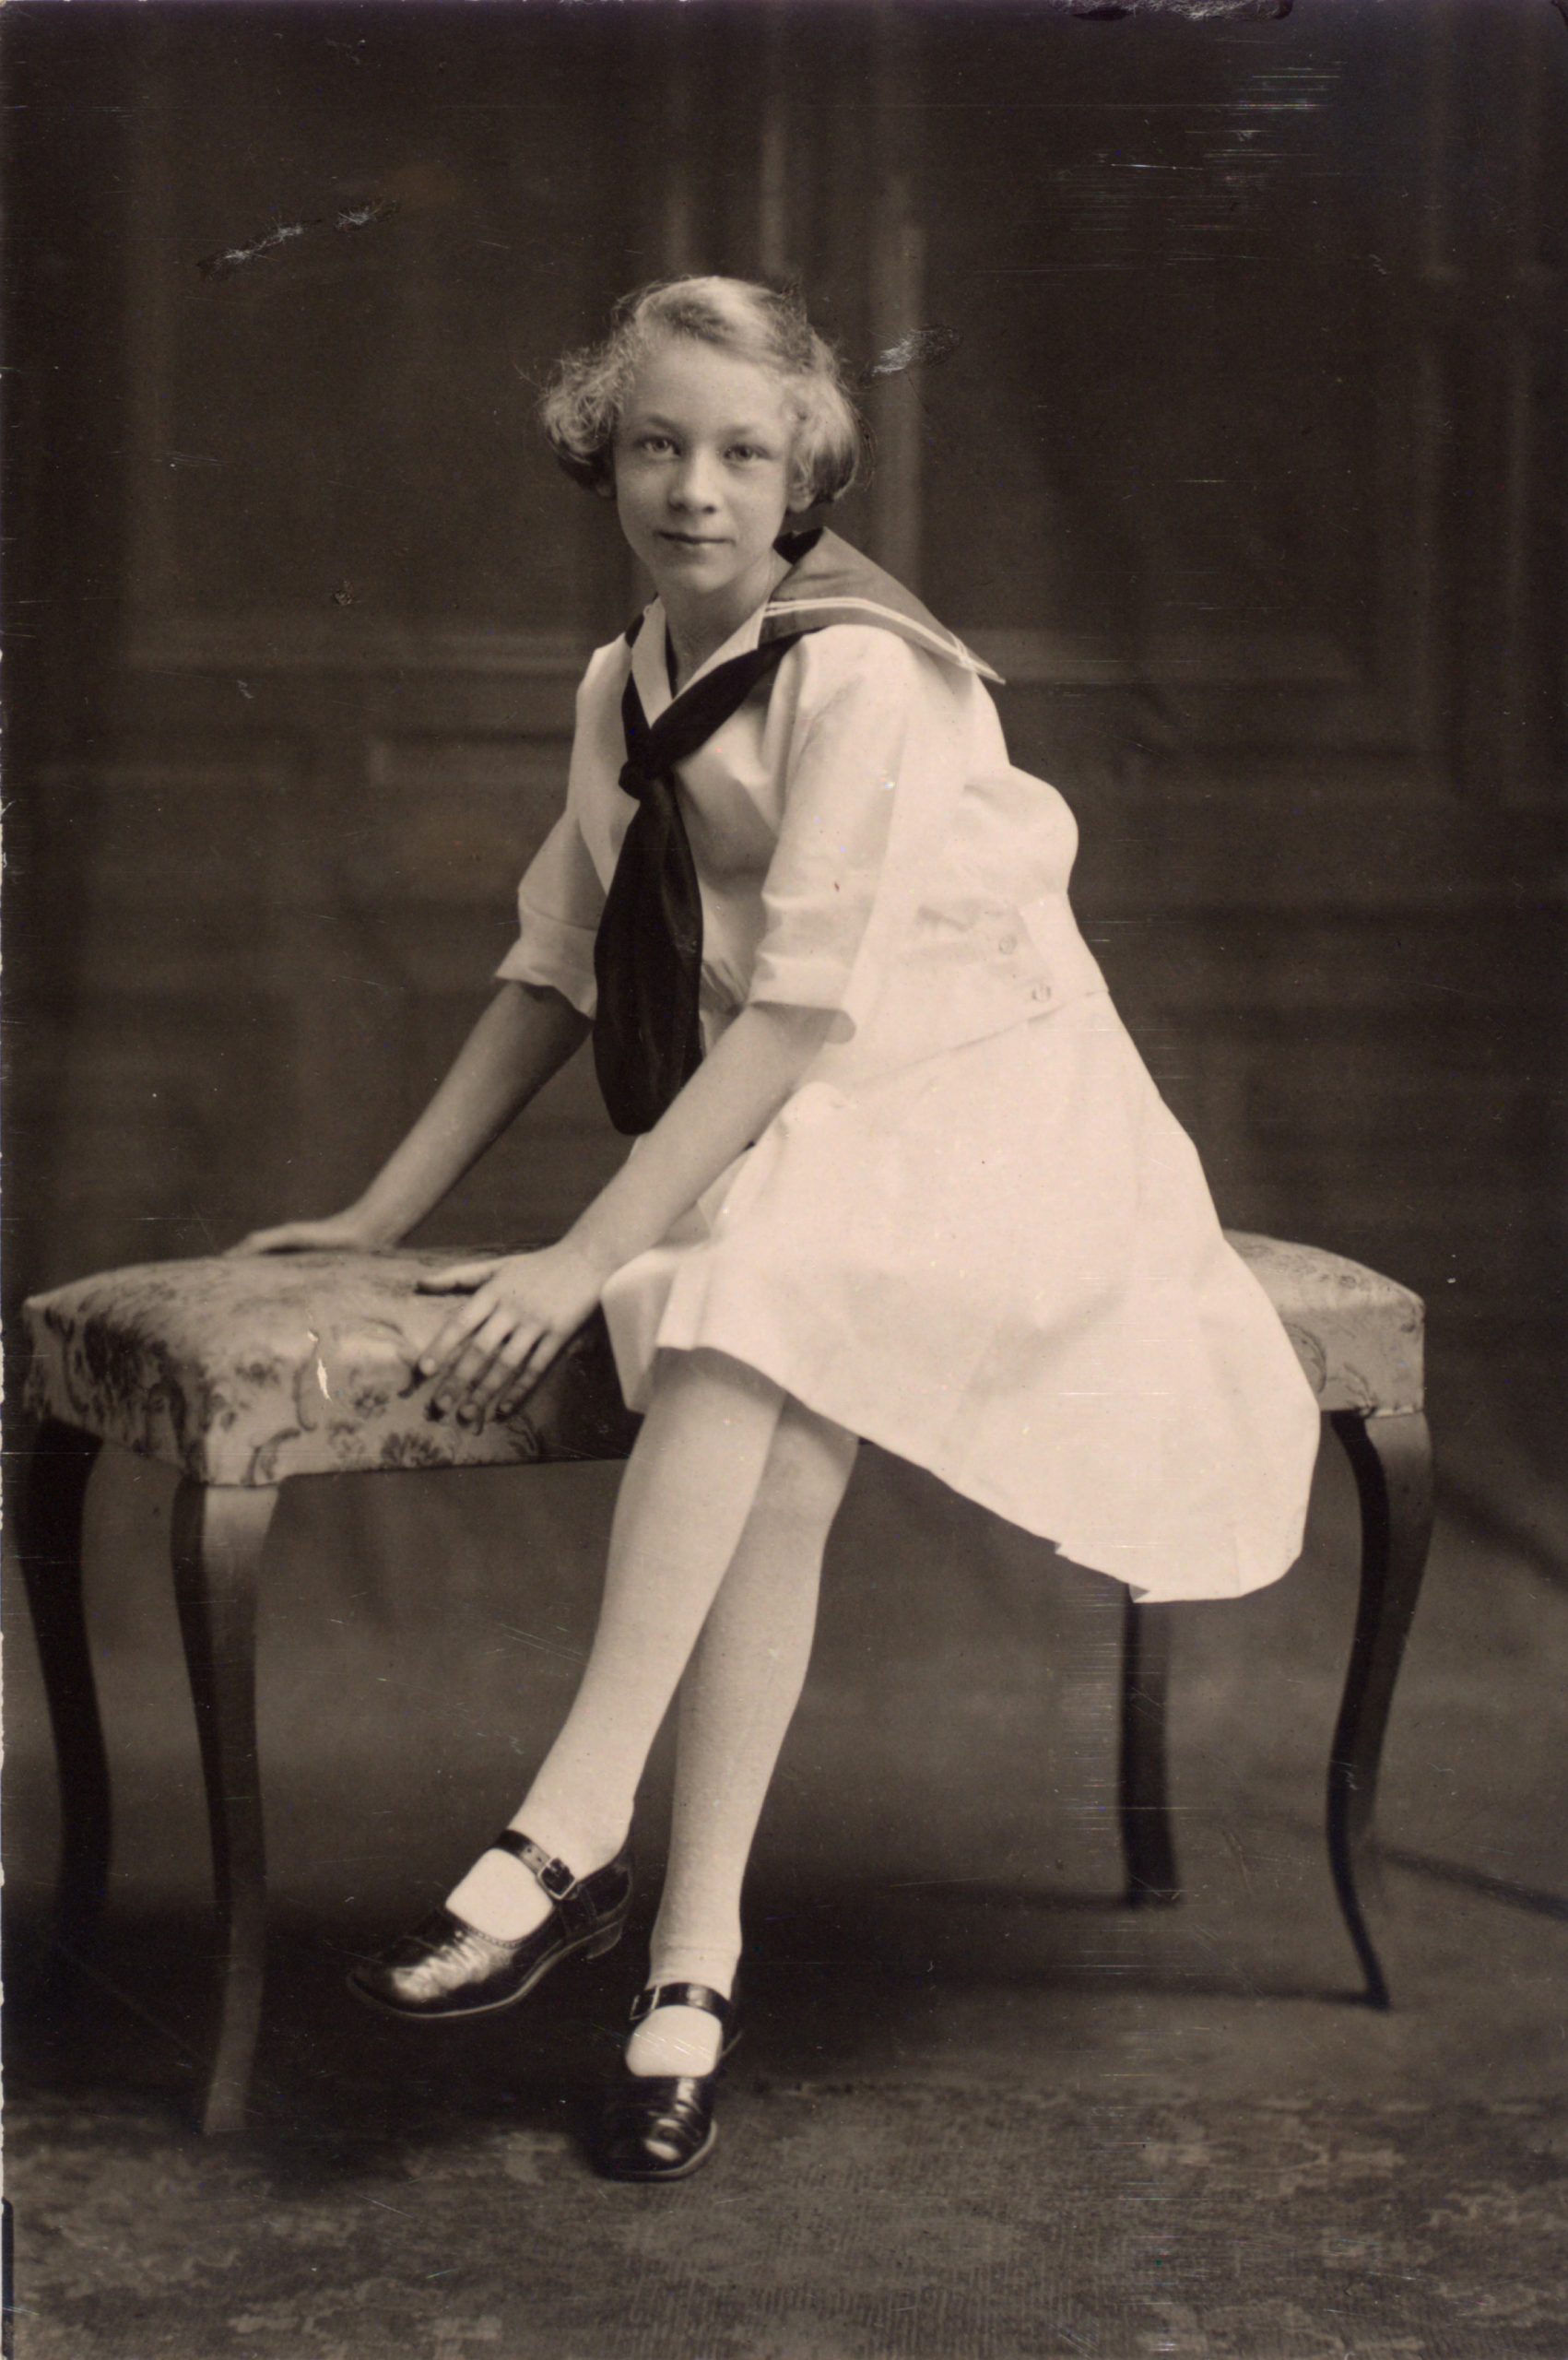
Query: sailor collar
point(829, 582)
point(826, 582)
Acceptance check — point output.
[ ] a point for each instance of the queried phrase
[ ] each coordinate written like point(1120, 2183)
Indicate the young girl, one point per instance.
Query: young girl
point(899, 1172)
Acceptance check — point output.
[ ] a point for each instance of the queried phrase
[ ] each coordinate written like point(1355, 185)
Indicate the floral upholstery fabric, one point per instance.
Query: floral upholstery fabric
point(251, 1370)
point(1358, 1335)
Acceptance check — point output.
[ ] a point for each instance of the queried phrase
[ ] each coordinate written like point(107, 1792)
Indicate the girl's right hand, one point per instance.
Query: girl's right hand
point(345, 1232)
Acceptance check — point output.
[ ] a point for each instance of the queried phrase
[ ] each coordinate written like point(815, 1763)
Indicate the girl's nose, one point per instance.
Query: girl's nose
point(693, 484)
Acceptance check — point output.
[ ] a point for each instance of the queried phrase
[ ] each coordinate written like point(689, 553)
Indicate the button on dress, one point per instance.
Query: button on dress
point(974, 1235)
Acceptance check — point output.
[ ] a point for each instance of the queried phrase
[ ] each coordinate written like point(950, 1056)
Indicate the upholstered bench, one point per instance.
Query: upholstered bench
point(244, 1373)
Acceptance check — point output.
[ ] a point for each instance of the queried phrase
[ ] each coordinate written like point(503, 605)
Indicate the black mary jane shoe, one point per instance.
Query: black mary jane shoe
point(446, 1968)
point(660, 2126)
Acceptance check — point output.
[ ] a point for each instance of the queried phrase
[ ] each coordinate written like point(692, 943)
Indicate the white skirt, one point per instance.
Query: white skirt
point(1003, 1263)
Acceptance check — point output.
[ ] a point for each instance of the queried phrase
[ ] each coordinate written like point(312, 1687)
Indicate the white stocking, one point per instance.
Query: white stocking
point(683, 1505)
point(737, 1701)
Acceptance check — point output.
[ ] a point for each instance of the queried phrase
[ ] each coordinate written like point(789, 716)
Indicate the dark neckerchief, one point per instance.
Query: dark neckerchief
point(648, 951)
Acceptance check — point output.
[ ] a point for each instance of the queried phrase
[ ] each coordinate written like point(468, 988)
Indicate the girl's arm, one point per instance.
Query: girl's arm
point(524, 1037)
point(729, 1102)
point(523, 1308)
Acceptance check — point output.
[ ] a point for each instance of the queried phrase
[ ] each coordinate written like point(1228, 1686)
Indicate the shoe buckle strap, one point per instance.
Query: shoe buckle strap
point(680, 1995)
point(555, 1879)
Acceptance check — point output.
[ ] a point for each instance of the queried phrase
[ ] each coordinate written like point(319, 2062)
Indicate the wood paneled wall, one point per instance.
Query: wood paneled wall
point(1244, 464)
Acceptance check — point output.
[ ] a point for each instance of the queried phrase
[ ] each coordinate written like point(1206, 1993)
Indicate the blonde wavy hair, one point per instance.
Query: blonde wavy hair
point(582, 404)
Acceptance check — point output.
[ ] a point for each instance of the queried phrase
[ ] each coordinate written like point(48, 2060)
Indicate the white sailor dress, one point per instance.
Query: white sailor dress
point(975, 1233)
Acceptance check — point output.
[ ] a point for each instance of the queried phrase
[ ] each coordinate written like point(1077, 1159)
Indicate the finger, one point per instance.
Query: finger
point(458, 1278)
point(461, 1320)
point(451, 1339)
point(473, 1353)
point(506, 1327)
point(547, 1349)
point(516, 1391)
point(492, 1360)
point(512, 1370)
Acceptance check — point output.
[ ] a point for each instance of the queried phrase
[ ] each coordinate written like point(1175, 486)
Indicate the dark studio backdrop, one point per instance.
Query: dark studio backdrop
point(1238, 451)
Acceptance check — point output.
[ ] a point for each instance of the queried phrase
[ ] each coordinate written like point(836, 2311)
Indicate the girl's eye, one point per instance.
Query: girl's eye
point(746, 451)
point(654, 443)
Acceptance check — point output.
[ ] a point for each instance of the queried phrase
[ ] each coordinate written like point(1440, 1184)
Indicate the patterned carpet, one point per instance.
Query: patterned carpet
point(852, 2222)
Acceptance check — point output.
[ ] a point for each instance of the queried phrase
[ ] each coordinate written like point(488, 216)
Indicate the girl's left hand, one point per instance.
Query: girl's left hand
point(521, 1310)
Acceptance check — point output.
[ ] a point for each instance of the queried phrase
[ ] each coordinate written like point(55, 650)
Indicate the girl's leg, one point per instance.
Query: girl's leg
point(684, 1501)
point(737, 1701)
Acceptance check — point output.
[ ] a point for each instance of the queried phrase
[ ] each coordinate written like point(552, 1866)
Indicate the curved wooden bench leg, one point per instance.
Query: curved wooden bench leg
point(51, 1497)
point(218, 1537)
point(1148, 1849)
point(1391, 1459)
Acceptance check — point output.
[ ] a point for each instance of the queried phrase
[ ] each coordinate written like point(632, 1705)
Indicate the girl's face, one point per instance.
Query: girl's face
point(703, 460)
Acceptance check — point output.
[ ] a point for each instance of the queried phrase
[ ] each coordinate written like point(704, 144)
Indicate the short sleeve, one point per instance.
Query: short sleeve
point(876, 768)
point(559, 904)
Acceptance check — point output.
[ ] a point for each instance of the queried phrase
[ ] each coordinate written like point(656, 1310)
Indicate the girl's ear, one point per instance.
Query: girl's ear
point(605, 485)
point(802, 495)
